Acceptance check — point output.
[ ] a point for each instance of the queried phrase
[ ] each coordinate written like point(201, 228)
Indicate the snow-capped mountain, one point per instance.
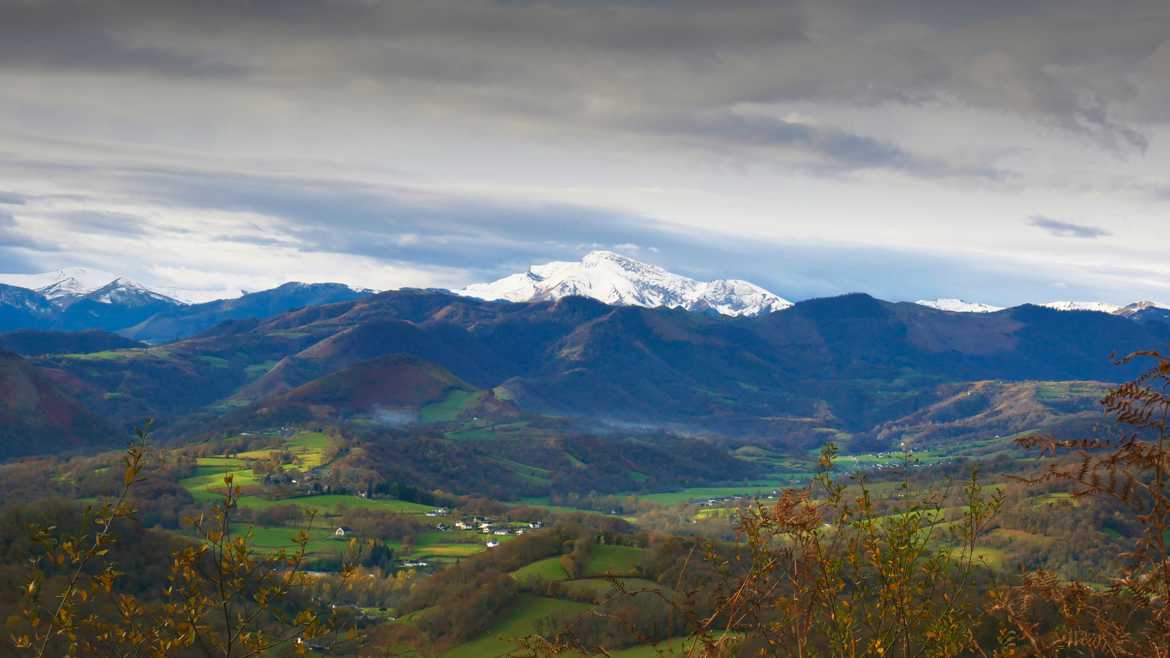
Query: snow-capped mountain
point(68, 286)
point(958, 305)
point(124, 292)
point(616, 279)
point(1146, 311)
point(64, 283)
point(1134, 309)
point(24, 300)
point(1099, 307)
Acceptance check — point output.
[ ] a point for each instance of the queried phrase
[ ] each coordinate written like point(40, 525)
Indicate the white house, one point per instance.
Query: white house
point(493, 543)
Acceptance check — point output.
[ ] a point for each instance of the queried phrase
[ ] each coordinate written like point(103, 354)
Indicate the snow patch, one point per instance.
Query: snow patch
point(620, 280)
point(956, 305)
point(1099, 307)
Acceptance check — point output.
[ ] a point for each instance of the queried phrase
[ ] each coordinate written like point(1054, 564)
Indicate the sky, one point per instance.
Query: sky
point(996, 151)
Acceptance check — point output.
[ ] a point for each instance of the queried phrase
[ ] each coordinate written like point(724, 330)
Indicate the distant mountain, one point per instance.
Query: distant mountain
point(1140, 311)
point(21, 308)
point(124, 292)
point(180, 322)
point(61, 284)
point(76, 299)
point(73, 282)
point(119, 304)
point(79, 299)
point(1145, 312)
point(958, 305)
point(847, 363)
point(615, 279)
point(37, 343)
point(1098, 307)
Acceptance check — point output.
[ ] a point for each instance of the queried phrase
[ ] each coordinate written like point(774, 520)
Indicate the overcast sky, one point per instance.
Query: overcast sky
point(1000, 151)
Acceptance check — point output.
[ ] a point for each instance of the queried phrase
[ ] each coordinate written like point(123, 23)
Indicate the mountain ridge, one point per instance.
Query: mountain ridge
point(80, 299)
point(612, 278)
point(849, 363)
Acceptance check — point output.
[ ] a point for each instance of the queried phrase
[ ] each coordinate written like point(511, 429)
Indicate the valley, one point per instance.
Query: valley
point(493, 471)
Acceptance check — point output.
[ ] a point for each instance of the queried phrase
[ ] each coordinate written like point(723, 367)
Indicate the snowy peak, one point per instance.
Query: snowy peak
point(616, 279)
point(67, 286)
point(956, 305)
point(63, 283)
point(124, 292)
point(1099, 307)
point(1136, 308)
point(1146, 311)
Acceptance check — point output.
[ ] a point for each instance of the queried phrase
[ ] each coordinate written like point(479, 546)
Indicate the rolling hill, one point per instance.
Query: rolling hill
point(189, 320)
point(392, 383)
point(37, 416)
point(37, 343)
point(846, 363)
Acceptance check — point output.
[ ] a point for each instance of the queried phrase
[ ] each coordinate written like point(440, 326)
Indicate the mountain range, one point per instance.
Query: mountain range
point(78, 299)
point(850, 365)
point(620, 280)
point(82, 299)
point(667, 353)
point(1142, 311)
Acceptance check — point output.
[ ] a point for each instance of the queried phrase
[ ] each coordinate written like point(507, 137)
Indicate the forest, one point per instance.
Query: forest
point(1057, 550)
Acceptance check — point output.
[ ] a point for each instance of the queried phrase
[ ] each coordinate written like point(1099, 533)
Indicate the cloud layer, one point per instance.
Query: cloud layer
point(904, 142)
point(1064, 229)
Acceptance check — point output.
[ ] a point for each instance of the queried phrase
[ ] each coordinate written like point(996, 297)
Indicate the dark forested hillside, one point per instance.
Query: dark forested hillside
point(37, 416)
point(851, 362)
point(183, 321)
point(37, 343)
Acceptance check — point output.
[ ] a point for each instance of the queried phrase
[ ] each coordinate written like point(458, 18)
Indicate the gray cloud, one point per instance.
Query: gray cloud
point(108, 223)
point(489, 238)
point(1063, 229)
point(398, 223)
point(657, 107)
point(836, 149)
point(105, 54)
point(1077, 65)
point(13, 239)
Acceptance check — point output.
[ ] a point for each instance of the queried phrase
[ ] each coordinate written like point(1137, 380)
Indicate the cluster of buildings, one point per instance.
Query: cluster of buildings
point(722, 501)
point(487, 526)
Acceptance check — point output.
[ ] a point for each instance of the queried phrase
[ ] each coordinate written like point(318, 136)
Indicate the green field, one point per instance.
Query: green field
point(601, 586)
point(209, 475)
point(671, 498)
point(992, 558)
point(473, 434)
point(108, 355)
point(447, 409)
point(328, 504)
point(268, 539)
point(222, 462)
point(446, 550)
point(520, 620)
point(309, 450)
point(547, 569)
point(666, 649)
point(307, 447)
point(613, 560)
